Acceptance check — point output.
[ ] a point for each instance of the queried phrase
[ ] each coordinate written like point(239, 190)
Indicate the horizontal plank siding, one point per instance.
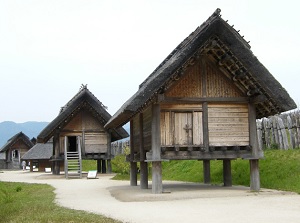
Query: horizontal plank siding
point(95, 142)
point(228, 124)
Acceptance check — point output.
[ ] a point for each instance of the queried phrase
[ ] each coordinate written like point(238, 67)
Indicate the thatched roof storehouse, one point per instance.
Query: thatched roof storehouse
point(79, 129)
point(13, 150)
point(201, 103)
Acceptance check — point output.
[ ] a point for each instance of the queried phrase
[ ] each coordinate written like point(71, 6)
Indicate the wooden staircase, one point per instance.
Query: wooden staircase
point(73, 163)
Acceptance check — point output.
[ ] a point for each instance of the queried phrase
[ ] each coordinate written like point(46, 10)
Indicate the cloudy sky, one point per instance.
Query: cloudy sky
point(49, 48)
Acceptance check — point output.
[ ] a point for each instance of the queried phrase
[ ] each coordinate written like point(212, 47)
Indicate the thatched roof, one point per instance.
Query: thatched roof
point(16, 138)
point(219, 41)
point(39, 151)
point(83, 99)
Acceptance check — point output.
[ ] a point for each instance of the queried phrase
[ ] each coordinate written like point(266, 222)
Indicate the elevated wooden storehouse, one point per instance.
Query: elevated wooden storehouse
point(78, 133)
point(13, 150)
point(201, 103)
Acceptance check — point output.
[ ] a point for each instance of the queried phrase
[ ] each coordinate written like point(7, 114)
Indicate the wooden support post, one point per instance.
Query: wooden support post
point(133, 174)
point(99, 166)
point(254, 175)
point(109, 170)
point(56, 145)
point(133, 165)
point(206, 171)
point(31, 165)
point(143, 164)
point(103, 166)
point(227, 173)
point(256, 152)
point(157, 187)
point(144, 175)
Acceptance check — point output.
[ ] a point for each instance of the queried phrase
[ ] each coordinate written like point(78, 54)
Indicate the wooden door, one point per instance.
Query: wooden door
point(183, 130)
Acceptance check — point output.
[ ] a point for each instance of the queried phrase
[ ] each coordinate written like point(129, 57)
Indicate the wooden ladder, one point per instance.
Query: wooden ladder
point(73, 162)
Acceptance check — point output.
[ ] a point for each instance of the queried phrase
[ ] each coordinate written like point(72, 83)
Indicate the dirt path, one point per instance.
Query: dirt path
point(182, 202)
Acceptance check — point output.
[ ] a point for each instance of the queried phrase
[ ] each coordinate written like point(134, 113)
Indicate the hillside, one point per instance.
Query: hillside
point(9, 129)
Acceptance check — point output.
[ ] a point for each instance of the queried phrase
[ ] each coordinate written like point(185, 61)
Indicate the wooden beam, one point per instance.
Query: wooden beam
point(206, 171)
point(227, 178)
point(199, 155)
point(156, 151)
point(143, 164)
point(206, 99)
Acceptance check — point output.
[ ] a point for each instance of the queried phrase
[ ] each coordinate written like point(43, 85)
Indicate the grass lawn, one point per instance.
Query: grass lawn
point(21, 202)
point(279, 170)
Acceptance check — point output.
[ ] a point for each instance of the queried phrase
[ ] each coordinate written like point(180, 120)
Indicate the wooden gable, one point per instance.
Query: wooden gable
point(217, 84)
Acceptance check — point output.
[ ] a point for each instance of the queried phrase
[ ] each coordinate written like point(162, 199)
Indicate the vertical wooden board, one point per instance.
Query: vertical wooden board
point(168, 130)
point(189, 85)
point(183, 128)
point(178, 129)
point(189, 126)
point(197, 128)
point(165, 128)
point(163, 131)
point(218, 85)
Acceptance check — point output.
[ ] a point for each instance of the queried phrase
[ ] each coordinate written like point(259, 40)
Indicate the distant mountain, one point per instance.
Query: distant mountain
point(8, 129)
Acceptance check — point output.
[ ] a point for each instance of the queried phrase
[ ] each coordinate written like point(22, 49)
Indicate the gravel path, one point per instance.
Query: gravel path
point(181, 202)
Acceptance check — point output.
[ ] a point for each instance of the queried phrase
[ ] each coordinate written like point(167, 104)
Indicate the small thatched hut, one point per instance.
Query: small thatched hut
point(78, 133)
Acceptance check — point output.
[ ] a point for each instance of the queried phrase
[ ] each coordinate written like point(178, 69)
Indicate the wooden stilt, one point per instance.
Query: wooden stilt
point(227, 173)
point(144, 175)
point(133, 174)
point(143, 164)
point(206, 171)
point(254, 175)
point(99, 168)
point(103, 166)
point(31, 165)
point(109, 170)
point(156, 178)
point(109, 156)
point(157, 187)
point(56, 145)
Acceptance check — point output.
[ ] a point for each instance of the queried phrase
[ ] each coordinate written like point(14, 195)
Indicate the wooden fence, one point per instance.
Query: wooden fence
point(281, 131)
point(118, 147)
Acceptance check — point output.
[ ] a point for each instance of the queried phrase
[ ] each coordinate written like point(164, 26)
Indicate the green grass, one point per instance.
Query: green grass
point(279, 170)
point(89, 165)
point(21, 202)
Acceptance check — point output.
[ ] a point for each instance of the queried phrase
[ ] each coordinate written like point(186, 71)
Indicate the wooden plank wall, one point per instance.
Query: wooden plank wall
point(95, 142)
point(228, 124)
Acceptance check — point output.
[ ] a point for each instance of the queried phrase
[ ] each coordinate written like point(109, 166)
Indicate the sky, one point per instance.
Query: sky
point(48, 49)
